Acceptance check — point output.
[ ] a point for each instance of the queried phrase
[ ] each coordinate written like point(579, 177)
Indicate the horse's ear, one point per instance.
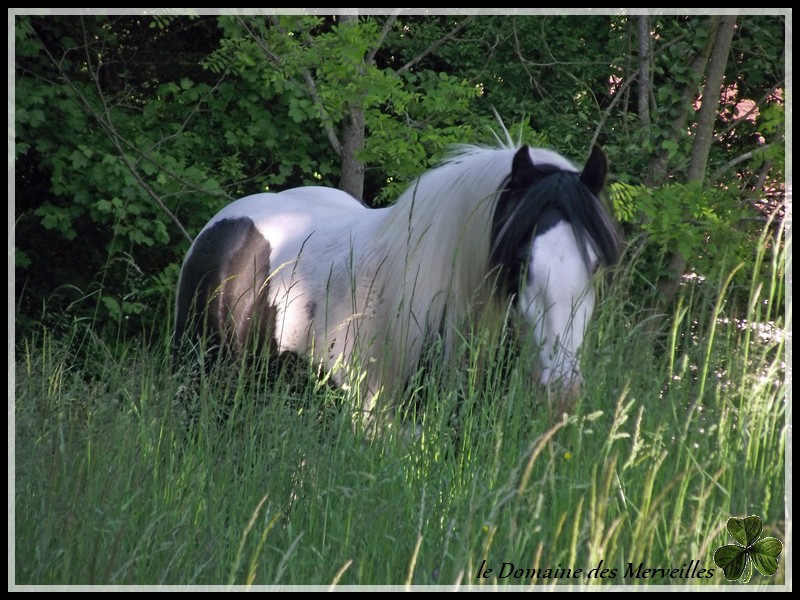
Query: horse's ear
point(595, 171)
point(523, 173)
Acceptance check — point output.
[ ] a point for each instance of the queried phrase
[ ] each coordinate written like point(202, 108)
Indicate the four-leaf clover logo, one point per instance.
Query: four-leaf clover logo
point(749, 550)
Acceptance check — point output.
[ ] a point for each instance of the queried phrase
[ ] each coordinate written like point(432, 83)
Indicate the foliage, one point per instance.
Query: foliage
point(80, 183)
point(690, 219)
point(161, 121)
point(410, 118)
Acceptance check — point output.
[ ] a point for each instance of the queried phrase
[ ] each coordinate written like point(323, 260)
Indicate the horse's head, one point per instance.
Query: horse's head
point(550, 234)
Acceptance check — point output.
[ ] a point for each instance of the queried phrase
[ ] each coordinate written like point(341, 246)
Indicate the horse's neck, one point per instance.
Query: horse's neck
point(430, 262)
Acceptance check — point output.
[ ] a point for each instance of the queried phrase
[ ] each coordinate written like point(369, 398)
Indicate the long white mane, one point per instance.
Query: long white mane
point(438, 235)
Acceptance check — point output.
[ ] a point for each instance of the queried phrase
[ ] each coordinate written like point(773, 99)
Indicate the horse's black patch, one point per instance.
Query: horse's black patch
point(223, 290)
point(536, 198)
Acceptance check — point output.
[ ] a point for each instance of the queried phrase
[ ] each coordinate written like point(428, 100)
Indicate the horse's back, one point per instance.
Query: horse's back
point(305, 201)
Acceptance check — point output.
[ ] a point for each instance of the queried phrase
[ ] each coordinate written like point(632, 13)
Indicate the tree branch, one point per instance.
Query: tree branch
point(387, 26)
point(327, 124)
point(119, 140)
point(738, 160)
point(617, 97)
point(643, 22)
point(260, 42)
point(707, 115)
point(435, 45)
point(704, 133)
point(310, 84)
point(115, 137)
point(110, 130)
point(522, 61)
point(189, 117)
point(525, 62)
point(721, 135)
point(762, 175)
point(657, 170)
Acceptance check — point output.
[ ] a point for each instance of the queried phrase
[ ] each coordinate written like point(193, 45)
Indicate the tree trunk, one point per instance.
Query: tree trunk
point(657, 172)
point(353, 133)
point(644, 74)
point(353, 136)
point(712, 90)
point(704, 136)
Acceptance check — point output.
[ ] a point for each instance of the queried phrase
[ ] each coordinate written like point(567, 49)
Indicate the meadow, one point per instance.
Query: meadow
point(128, 475)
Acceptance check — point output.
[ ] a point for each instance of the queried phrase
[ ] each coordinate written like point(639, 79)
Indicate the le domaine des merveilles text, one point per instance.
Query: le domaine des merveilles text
point(508, 570)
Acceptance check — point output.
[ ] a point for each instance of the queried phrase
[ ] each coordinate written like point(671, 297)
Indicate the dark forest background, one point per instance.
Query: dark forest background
point(132, 131)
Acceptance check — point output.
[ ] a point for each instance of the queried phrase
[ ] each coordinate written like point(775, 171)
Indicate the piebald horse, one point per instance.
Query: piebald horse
point(361, 292)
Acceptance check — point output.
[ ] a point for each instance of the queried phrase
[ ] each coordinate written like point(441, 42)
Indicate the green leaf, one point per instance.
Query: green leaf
point(770, 546)
point(745, 531)
point(21, 259)
point(766, 565)
point(247, 59)
point(111, 305)
point(36, 117)
point(671, 147)
point(732, 559)
point(749, 564)
point(765, 555)
point(79, 160)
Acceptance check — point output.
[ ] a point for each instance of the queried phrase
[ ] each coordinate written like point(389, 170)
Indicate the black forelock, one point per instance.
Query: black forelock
point(522, 214)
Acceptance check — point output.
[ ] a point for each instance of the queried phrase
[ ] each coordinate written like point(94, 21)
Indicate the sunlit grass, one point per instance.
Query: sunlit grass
point(678, 428)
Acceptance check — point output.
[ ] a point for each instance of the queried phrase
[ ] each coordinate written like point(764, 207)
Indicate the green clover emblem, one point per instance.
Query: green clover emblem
point(749, 550)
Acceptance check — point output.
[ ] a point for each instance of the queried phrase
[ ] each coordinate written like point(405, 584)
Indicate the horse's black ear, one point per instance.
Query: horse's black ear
point(595, 171)
point(523, 173)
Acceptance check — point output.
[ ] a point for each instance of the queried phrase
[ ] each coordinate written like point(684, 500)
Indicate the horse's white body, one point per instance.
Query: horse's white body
point(362, 290)
point(311, 231)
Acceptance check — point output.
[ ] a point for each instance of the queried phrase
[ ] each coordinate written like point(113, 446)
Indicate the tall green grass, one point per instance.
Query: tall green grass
point(679, 426)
